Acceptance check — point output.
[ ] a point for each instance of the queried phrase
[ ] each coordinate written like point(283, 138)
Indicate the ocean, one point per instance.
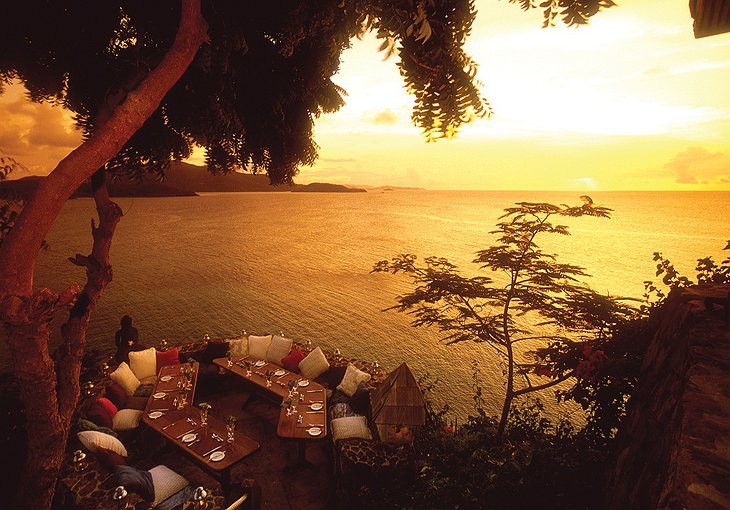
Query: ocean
point(300, 263)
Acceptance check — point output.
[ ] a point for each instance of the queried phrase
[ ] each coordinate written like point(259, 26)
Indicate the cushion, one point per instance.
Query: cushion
point(109, 459)
point(116, 394)
point(332, 377)
point(166, 483)
point(144, 390)
point(238, 347)
point(92, 440)
point(126, 419)
point(138, 403)
point(168, 357)
point(90, 425)
point(360, 400)
point(135, 480)
point(214, 349)
point(124, 376)
point(314, 364)
point(101, 411)
point(352, 379)
point(258, 346)
point(341, 410)
point(278, 348)
point(350, 426)
point(149, 380)
point(143, 363)
point(291, 361)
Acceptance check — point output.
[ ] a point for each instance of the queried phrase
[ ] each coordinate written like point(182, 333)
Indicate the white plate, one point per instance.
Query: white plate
point(260, 363)
point(154, 415)
point(159, 394)
point(314, 431)
point(166, 378)
point(216, 456)
point(279, 373)
point(317, 406)
point(303, 383)
point(189, 438)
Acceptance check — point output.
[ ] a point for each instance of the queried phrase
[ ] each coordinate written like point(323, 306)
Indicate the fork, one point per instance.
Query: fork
point(217, 437)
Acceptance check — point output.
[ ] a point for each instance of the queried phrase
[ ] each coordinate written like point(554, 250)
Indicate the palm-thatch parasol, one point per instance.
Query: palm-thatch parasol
point(397, 401)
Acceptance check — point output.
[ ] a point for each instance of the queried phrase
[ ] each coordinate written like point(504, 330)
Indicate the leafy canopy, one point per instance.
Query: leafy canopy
point(252, 95)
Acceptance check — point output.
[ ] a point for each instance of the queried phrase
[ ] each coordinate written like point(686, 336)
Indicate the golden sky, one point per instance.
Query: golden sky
point(633, 101)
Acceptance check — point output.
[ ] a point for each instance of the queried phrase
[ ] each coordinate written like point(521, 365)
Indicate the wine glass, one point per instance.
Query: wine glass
point(204, 408)
point(229, 358)
point(230, 427)
point(292, 385)
point(269, 375)
point(247, 363)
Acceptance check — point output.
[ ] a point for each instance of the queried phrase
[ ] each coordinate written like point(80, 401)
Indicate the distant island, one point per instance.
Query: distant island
point(181, 180)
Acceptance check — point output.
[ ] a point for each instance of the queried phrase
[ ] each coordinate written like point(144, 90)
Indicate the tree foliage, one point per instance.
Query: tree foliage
point(534, 300)
point(252, 95)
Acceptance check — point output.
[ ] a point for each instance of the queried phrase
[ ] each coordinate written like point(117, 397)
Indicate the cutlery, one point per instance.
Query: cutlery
point(185, 433)
point(217, 437)
point(315, 412)
point(163, 409)
point(193, 442)
point(168, 426)
point(190, 421)
point(313, 391)
point(214, 449)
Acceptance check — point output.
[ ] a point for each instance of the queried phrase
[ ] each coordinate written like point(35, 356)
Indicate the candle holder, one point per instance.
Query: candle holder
point(79, 461)
point(163, 344)
point(199, 500)
point(120, 498)
point(88, 388)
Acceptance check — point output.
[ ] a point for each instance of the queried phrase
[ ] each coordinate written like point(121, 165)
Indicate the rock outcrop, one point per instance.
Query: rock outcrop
point(675, 443)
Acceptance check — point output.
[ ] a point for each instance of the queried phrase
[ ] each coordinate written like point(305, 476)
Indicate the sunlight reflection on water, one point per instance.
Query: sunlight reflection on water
point(300, 263)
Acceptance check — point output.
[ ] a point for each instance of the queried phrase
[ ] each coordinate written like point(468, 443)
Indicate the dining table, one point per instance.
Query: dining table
point(303, 414)
point(171, 414)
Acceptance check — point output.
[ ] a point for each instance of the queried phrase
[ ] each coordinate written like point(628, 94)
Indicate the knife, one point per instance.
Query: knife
point(214, 449)
point(185, 433)
point(168, 426)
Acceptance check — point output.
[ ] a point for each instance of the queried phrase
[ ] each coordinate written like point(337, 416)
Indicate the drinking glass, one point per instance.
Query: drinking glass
point(248, 368)
point(204, 408)
point(269, 375)
point(292, 385)
point(230, 427)
point(229, 357)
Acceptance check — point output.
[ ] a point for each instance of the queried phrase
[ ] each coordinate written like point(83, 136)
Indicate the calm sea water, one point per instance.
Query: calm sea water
point(300, 263)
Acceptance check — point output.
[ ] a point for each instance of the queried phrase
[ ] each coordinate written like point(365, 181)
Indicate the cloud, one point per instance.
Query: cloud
point(385, 118)
point(36, 134)
point(697, 165)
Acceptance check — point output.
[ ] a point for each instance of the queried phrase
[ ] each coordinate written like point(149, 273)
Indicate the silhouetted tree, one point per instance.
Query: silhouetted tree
point(146, 81)
point(536, 300)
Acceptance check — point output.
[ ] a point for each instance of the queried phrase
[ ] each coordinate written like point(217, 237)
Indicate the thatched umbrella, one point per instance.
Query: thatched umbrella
point(397, 401)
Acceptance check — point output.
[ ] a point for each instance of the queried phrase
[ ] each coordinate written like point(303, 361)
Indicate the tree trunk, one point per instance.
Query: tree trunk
point(50, 393)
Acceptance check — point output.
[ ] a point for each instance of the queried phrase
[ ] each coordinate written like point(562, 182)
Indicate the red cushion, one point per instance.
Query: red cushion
point(117, 395)
point(109, 459)
point(168, 357)
point(100, 412)
point(108, 405)
point(291, 360)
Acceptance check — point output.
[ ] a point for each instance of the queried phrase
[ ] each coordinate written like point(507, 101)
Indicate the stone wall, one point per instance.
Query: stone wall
point(675, 444)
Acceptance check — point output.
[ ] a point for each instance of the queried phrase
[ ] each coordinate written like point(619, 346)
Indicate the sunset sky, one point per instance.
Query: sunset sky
point(632, 101)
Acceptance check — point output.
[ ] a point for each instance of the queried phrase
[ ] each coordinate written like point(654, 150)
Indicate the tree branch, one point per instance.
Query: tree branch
point(549, 384)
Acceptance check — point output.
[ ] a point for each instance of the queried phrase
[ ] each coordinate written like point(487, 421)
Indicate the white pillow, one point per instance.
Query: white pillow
point(143, 363)
point(166, 483)
point(124, 376)
point(258, 346)
point(238, 347)
point(314, 365)
point(126, 419)
point(93, 440)
point(352, 379)
point(350, 426)
point(279, 348)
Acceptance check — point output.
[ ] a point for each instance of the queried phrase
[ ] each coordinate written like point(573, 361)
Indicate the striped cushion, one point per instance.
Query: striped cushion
point(166, 483)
